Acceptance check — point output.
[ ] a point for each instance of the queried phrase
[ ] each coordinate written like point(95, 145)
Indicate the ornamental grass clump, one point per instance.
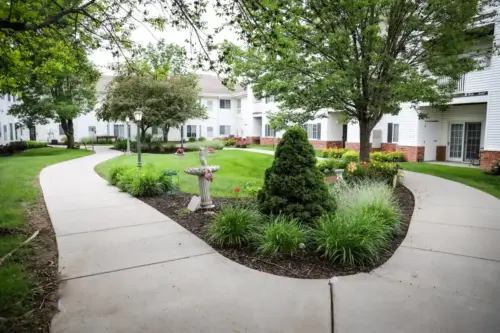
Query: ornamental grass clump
point(234, 226)
point(365, 222)
point(282, 236)
point(147, 181)
point(293, 186)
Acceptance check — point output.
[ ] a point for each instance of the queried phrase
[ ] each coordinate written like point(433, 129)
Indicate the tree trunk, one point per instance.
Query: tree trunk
point(182, 136)
point(69, 131)
point(166, 129)
point(364, 141)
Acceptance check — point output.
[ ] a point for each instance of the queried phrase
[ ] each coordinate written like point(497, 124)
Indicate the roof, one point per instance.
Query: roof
point(103, 82)
point(210, 84)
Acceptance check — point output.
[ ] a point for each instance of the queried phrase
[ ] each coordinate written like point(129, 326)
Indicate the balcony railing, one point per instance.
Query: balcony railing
point(460, 87)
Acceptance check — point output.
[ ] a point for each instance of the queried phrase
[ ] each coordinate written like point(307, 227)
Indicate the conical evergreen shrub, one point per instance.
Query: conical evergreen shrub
point(293, 185)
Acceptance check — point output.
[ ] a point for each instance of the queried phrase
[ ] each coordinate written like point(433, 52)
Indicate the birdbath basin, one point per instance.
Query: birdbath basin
point(204, 174)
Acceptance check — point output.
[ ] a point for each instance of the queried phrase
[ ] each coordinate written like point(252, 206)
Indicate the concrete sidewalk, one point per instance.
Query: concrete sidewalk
point(127, 268)
point(445, 276)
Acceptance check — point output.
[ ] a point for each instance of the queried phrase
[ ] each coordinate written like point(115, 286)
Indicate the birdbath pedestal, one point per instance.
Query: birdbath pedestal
point(204, 174)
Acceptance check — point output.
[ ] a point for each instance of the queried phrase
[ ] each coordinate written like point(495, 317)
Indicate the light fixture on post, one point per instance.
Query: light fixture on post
point(138, 117)
point(127, 121)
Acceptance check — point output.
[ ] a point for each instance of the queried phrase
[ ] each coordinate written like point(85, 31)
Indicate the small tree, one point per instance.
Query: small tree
point(293, 185)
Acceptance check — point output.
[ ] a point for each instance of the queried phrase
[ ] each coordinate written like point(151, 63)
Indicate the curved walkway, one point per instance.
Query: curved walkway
point(126, 268)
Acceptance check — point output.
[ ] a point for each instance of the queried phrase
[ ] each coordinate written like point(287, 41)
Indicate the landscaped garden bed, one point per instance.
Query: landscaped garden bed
point(286, 215)
point(301, 265)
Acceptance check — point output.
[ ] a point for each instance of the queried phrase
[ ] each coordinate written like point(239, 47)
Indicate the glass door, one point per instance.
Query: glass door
point(456, 143)
point(472, 140)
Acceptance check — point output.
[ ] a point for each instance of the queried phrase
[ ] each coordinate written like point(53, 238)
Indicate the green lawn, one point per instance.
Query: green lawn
point(469, 176)
point(238, 168)
point(19, 190)
point(319, 153)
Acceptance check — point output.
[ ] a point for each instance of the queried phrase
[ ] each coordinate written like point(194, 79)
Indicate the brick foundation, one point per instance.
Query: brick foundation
point(441, 153)
point(352, 145)
point(253, 140)
point(388, 147)
point(269, 141)
point(487, 159)
point(412, 153)
point(325, 144)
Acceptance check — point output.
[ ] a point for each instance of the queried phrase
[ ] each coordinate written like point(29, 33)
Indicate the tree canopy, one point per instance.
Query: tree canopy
point(363, 58)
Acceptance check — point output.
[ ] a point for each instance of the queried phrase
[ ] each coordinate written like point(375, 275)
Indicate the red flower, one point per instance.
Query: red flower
point(364, 165)
point(180, 151)
point(237, 189)
point(211, 150)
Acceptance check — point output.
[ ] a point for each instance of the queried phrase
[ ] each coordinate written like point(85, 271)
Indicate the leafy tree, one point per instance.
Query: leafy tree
point(364, 58)
point(72, 94)
point(170, 100)
point(38, 37)
point(293, 185)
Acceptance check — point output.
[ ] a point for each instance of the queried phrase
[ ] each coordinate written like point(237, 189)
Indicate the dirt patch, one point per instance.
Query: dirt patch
point(41, 258)
point(303, 266)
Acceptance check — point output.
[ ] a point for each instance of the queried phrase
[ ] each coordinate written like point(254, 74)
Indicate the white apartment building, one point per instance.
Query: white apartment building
point(469, 129)
point(10, 129)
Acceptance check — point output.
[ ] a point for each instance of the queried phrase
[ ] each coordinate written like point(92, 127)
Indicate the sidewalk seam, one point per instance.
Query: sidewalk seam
point(453, 254)
point(133, 267)
point(458, 225)
point(106, 229)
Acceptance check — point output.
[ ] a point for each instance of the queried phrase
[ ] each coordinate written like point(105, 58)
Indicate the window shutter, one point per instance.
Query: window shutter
point(319, 131)
point(389, 132)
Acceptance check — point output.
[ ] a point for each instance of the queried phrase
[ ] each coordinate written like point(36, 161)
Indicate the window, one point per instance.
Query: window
point(11, 129)
point(313, 131)
point(225, 104)
point(119, 131)
point(154, 130)
point(0, 130)
point(107, 129)
point(210, 105)
point(269, 132)
point(8, 97)
point(191, 131)
point(225, 130)
point(392, 132)
point(61, 131)
point(92, 131)
point(238, 103)
point(15, 131)
point(5, 131)
point(128, 131)
point(269, 99)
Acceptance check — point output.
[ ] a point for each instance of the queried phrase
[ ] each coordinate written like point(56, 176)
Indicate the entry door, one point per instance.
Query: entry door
point(472, 140)
point(430, 140)
point(344, 135)
point(456, 143)
point(32, 133)
point(210, 132)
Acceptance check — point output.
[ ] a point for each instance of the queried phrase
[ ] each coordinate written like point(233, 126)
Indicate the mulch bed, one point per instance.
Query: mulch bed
point(40, 256)
point(302, 266)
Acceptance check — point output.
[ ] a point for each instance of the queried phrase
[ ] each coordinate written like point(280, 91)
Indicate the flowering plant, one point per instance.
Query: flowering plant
point(378, 170)
point(179, 151)
point(241, 144)
point(495, 167)
point(211, 150)
point(236, 189)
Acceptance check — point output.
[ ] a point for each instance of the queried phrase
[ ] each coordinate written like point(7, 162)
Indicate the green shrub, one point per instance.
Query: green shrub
point(144, 182)
point(116, 172)
point(201, 138)
point(366, 219)
point(19, 145)
point(350, 156)
point(495, 168)
point(281, 236)
point(328, 166)
point(377, 156)
point(381, 171)
point(35, 144)
point(64, 139)
point(233, 226)
point(293, 185)
point(334, 152)
point(229, 142)
point(195, 146)
point(251, 188)
point(192, 139)
point(120, 145)
point(396, 156)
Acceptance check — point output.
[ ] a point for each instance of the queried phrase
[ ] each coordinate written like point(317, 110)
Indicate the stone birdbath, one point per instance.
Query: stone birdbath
point(205, 177)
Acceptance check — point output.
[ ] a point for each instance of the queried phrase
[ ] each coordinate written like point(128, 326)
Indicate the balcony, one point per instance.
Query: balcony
point(460, 87)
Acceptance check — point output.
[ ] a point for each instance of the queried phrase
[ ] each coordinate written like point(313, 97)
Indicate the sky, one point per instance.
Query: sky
point(144, 35)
